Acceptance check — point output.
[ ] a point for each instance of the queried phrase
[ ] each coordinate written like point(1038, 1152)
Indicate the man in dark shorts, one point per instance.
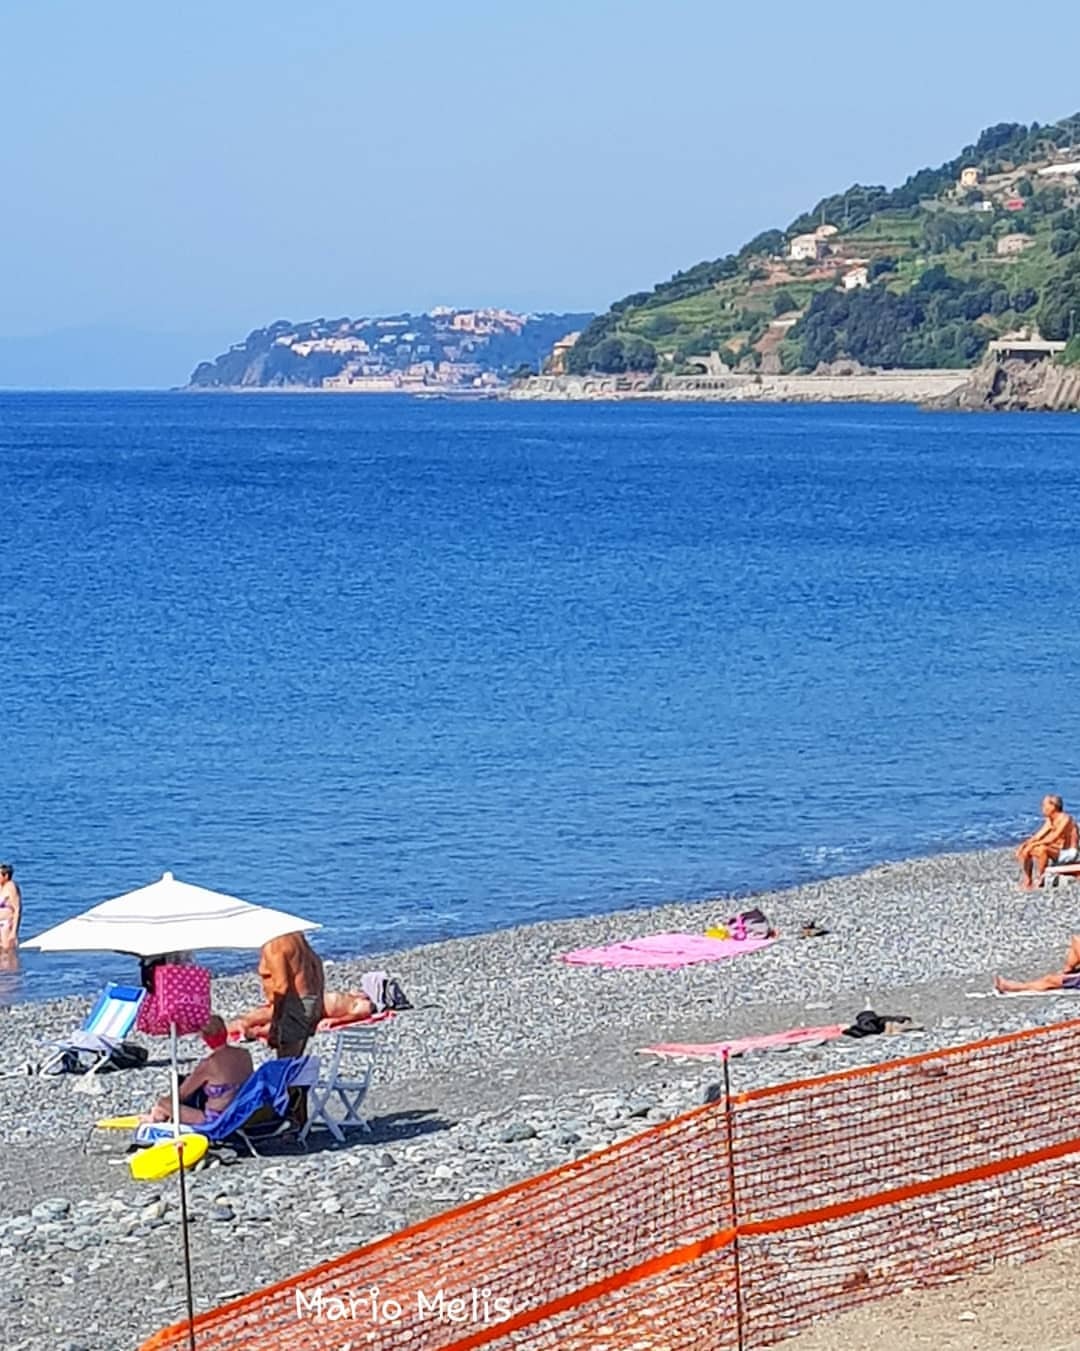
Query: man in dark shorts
point(293, 984)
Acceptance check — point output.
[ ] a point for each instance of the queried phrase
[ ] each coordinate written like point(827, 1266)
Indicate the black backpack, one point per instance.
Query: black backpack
point(394, 996)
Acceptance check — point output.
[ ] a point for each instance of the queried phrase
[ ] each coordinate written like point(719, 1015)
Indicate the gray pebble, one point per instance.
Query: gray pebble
point(516, 1131)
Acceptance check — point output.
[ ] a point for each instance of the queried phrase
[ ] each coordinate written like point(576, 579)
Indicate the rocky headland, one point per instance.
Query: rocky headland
point(1043, 386)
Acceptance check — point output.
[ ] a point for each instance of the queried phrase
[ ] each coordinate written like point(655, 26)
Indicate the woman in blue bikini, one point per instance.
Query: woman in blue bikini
point(215, 1080)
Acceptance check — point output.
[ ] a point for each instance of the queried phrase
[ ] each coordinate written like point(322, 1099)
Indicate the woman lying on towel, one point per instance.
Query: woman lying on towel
point(1066, 979)
point(349, 1007)
point(212, 1084)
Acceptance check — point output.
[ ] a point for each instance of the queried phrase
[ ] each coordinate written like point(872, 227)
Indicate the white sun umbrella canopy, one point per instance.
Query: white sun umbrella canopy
point(170, 916)
point(165, 917)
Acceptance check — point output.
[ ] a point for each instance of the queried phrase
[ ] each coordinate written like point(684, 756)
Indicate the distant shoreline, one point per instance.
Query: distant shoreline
point(898, 386)
point(431, 392)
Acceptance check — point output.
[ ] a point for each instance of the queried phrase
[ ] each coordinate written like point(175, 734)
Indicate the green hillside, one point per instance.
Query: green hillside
point(939, 281)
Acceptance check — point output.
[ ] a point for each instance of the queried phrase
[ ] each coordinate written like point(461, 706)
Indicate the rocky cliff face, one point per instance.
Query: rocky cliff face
point(1041, 386)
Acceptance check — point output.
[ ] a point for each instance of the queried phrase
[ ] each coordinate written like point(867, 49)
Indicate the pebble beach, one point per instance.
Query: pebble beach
point(510, 1063)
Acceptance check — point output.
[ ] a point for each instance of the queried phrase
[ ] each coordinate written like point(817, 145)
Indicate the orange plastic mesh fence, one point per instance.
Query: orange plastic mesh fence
point(857, 1186)
point(555, 1243)
point(845, 1188)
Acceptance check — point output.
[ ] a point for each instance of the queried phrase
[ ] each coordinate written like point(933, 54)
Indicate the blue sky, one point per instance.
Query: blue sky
point(202, 169)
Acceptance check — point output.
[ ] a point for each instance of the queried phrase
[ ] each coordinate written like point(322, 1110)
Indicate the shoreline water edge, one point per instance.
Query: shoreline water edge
point(510, 1062)
point(721, 904)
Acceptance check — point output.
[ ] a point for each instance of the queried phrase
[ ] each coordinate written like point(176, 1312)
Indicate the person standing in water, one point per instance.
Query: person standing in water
point(10, 909)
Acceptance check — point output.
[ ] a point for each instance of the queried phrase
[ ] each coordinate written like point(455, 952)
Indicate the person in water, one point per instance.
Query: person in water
point(10, 908)
point(213, 1083)
point(1056, 841)
point(1068, 978)
point(337, 1006)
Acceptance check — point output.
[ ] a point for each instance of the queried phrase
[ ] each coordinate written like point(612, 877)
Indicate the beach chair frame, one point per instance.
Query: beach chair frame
point(352, 1063)
point(248, 1135)
point(1054, 871)
point(116, 1009)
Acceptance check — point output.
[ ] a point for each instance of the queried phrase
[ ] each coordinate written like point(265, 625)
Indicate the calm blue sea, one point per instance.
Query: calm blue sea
point(422, 669)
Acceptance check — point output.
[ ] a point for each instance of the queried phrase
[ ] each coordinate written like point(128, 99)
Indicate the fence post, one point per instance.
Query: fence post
point(729, 1124)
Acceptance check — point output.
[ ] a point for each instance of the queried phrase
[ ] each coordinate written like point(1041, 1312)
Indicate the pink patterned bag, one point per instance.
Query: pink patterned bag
point(181, 995)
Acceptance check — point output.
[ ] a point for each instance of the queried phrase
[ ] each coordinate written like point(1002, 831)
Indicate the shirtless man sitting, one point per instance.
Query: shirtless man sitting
point(1056, 841)
point(1066, 979)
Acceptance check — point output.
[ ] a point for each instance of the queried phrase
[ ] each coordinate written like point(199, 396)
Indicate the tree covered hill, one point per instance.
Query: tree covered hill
point(921, 275)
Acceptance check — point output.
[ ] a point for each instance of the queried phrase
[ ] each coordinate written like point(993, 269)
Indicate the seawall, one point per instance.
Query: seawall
point(863, 387)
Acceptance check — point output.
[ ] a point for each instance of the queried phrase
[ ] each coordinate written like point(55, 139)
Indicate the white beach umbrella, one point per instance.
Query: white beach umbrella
point(169, 916)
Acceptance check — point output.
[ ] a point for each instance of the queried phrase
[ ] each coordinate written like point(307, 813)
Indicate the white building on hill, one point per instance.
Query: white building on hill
point(808, 248)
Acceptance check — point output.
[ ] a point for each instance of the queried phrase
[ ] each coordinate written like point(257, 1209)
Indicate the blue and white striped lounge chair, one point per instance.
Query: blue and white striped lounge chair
point(108, 1023)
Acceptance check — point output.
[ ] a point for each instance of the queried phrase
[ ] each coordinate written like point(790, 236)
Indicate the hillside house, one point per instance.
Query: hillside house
point(1009, 246)
point(806, 248)
point(970, 176)
point(857, 277)
point(826, 231)
point(559, 353)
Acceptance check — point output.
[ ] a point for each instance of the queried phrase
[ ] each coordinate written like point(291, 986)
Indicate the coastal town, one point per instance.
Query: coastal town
point(445, 351)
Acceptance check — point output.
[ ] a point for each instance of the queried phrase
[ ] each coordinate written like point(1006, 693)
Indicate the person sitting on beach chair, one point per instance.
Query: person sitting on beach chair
point(212, 1084)
point(1056, 841)
point(1068, 978)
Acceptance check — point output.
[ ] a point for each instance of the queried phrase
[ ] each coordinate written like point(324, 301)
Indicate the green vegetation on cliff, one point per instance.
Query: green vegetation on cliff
point(922, 275)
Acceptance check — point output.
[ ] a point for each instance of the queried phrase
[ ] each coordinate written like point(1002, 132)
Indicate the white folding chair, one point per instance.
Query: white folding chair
point(335, 1101)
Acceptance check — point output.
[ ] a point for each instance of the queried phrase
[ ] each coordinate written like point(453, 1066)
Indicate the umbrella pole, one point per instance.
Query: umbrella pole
point(175, 1056)
point(189, 1291)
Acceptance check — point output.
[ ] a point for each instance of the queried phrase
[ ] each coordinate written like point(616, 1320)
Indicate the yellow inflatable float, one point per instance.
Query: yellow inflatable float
point(159, 1160)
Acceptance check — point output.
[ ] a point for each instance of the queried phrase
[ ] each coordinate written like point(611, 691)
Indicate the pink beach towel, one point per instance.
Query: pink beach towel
point(331, 1024)
point(669, 950)
point(716, 1050)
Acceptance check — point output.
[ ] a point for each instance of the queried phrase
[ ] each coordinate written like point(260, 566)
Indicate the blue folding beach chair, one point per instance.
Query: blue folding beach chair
point(91, 1046)
point(259, 1111)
